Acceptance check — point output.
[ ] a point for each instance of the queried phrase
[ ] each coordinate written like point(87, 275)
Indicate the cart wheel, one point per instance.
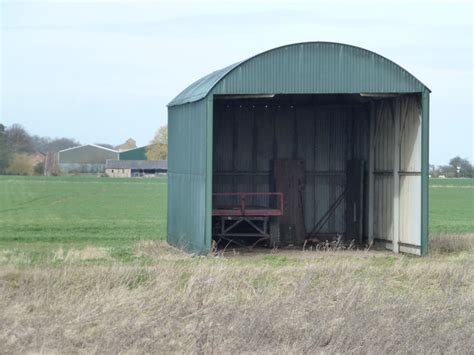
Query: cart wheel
point(274, 232)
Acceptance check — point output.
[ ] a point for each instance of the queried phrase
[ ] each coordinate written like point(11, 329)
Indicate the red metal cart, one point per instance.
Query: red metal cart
point(241, 215)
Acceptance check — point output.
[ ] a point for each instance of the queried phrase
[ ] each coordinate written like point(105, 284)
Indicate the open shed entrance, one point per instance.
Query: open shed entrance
point(317, 167)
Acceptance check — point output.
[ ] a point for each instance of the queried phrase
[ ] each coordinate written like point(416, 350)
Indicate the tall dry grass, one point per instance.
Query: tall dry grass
point(317, 302)
point(451, 243)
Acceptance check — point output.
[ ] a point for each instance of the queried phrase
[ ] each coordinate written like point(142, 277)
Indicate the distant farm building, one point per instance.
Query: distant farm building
point(134, 154)
point(135, 168)
point(89, 158)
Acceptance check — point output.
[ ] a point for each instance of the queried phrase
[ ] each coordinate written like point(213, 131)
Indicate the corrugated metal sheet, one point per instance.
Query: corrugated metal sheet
point(404, 111)
point(187, 174)
point(410, 169)
point(199, 89)
point(383, 166)
point(410, 209)
point(312, 67)
point(410, 134)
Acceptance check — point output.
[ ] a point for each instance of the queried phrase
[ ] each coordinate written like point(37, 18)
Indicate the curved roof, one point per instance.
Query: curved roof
point(310, 67)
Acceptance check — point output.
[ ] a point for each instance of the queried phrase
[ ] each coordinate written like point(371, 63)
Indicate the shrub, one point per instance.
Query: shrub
point(21, 164)
point(39, 168)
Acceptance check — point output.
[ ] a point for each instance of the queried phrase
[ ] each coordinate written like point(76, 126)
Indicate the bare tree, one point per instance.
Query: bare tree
point(18, 140)
point(461, 167)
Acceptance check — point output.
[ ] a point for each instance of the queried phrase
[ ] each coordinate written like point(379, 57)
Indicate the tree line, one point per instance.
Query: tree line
point(457, 168)
point(19, 150)
point(18, 147)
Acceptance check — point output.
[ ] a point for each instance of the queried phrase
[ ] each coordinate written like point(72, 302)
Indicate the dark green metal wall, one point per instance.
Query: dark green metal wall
point(188, 205)
point(134, 154)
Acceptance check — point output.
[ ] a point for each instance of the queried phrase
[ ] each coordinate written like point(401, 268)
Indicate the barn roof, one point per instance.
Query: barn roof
point(88, 145)
point(310, 67)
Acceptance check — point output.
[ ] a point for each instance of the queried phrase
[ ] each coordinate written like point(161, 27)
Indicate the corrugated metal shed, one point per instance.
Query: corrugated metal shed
point(220, 140)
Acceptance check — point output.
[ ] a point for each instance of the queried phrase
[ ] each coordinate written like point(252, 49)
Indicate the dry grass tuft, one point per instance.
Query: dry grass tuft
point(451, 243)
point(88, 253)
point(351, 302)
point(157, 250)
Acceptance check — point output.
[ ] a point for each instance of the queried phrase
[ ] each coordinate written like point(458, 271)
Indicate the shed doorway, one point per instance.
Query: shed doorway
point(315, 168)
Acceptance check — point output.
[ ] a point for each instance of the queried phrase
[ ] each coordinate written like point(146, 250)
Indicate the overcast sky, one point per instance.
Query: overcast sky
point(103, 71)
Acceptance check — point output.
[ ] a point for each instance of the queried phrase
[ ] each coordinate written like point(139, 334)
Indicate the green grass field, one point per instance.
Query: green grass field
point(41, 214)
point(451, 206)
point(84, 269)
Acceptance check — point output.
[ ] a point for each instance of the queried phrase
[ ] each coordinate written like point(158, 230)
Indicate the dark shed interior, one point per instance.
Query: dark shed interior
point(324, 135)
